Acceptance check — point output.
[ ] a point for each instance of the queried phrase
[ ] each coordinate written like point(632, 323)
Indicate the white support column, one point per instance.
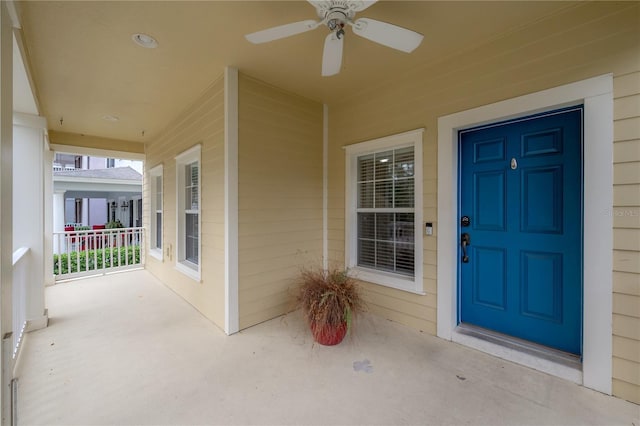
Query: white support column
point(6, 209)
point(58, 219)
point(28, 208)
point(85, 211)
point(47, 196)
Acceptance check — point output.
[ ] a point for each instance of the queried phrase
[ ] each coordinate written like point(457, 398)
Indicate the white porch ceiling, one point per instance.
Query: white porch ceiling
point(85, 65)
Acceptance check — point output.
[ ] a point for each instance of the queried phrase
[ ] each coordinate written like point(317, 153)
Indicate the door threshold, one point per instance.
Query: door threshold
point(548, 360)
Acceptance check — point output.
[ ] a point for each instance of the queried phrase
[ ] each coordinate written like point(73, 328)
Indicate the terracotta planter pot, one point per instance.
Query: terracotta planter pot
point(329, 335)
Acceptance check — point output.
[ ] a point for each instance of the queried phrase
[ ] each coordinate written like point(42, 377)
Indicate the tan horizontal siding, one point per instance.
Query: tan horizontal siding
point(625, 390)
point(273, 280)
point(625, 326)
point(626, 217)
point(626, 283)
point(256, 270)
point(625, 348)
point(588, 40)
point(305, 201)
point(626, 151)
point(203, 123)
point(626, 107)
point(626, 129)
point(625, 304)
point(626, 195)
point(626, 261)
point(254, 302)
point(263, 241)
point(280, 196)
point(626, 173)
point(627, 85)
point(627, 371)
point(626, 238)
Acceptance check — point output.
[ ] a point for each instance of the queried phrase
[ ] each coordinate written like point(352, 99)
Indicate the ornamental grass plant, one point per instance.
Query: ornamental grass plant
point(329, 300)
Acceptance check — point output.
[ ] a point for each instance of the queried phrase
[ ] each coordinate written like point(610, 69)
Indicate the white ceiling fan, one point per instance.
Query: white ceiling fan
point(335, 14)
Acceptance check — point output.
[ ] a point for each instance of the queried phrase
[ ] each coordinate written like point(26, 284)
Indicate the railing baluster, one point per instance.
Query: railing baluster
point(126, 245)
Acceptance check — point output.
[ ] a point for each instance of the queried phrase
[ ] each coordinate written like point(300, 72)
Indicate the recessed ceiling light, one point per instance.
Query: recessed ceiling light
point(112, 118)
point(144, 40)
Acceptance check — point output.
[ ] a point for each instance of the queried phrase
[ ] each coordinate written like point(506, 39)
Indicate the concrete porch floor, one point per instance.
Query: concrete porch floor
point(123, 349)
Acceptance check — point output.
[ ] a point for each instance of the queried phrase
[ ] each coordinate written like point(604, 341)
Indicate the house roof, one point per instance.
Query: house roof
point(86, 69)
point(115, 173)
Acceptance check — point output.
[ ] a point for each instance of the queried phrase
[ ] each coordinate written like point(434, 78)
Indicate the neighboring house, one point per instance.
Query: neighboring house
point(92, 191)
point(527, 140)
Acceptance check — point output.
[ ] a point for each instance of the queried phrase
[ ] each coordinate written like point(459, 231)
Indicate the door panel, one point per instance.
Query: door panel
point(489, 277)
point(542, 143)
point(521, 186)
point(541, 285)
point(489, 202)
point(542, 194)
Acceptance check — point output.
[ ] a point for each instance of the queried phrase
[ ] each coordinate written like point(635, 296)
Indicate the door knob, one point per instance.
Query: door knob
point(465, 240)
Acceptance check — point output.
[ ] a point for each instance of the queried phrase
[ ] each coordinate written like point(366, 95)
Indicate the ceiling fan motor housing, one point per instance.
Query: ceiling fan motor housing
point(336, 12)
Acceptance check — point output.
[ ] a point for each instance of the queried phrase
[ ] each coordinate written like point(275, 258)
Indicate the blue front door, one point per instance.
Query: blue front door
point(521, 216)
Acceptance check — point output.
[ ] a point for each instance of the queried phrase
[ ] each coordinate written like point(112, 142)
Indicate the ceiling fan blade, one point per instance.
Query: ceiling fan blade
point(387, 34)
point(318, 4)
point(332, 55)
point(281, 31)
point(364, 4)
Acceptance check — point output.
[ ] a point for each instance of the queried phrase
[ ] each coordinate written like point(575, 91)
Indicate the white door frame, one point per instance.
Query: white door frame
point(596, 94)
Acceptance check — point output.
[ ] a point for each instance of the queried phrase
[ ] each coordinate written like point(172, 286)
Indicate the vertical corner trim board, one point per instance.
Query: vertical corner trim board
point(232, 316)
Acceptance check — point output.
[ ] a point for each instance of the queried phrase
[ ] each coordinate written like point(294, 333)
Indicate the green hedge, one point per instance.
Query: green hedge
point(95, 259)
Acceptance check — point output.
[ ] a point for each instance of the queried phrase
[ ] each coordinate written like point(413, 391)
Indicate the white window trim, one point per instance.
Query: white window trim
point(401, 140)
point(596, 94)
point(157, 171)
point(188, 268)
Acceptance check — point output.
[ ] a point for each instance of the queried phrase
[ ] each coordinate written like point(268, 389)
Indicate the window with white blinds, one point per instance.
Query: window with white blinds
point(192, 212)
point(158, 213)
point(383, 189)
point(155, 191)
point(386, 211)
point(188, 196)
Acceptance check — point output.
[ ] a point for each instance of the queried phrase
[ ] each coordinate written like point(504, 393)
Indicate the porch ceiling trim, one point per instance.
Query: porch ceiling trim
point(95, 146)
point(96, 185)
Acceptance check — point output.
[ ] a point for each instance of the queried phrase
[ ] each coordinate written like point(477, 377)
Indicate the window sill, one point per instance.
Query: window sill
point(187, 268)
point(157, 254)
point(394, 281)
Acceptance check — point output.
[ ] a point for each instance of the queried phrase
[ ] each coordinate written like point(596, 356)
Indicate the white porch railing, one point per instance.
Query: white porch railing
point(98, 251)
point(21, 278)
